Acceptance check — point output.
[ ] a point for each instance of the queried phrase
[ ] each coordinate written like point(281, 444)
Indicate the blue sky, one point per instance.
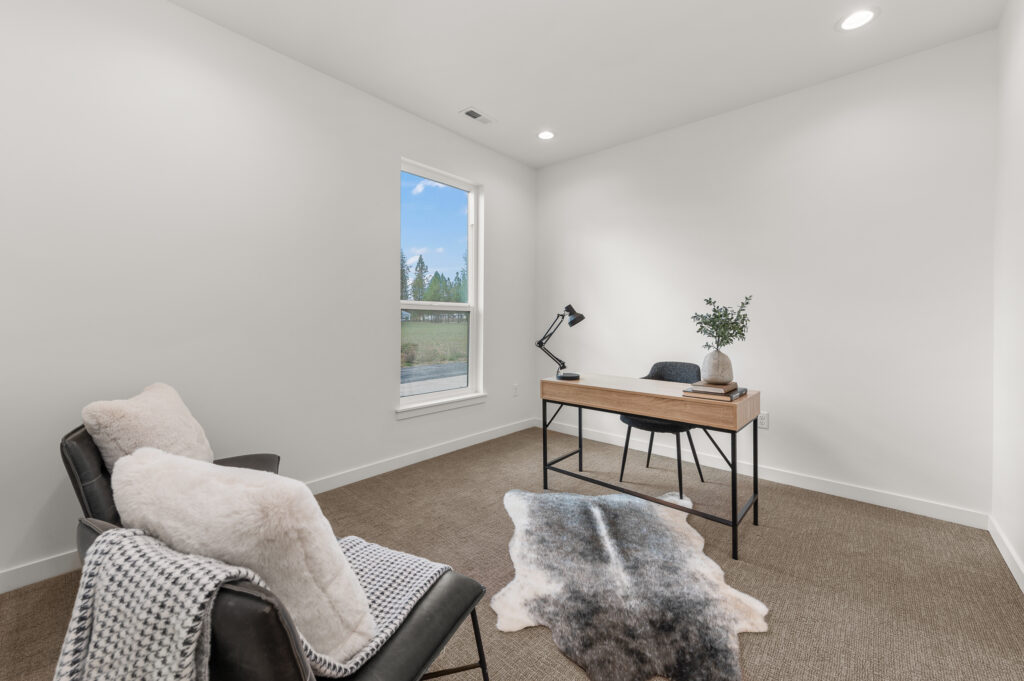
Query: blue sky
point(434, 223)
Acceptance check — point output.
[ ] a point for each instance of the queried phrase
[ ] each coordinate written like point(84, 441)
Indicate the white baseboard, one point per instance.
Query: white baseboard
point(369, 470)
point(901, 502)
point(35, 571)
point(38, 570)
point(1013, 561)
point(23, 575)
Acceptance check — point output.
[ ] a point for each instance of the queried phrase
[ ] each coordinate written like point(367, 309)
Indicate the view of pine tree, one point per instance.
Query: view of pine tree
point(405, 268)
point(418, 287)
point(438, 289)
point(458, 288)
point(462, 280)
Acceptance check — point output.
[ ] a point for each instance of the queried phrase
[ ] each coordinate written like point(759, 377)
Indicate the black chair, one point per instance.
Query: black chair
point(253, 637)
point(679, 372)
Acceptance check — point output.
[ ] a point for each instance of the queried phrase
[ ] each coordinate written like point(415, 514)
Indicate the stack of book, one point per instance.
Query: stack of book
point(712, 391)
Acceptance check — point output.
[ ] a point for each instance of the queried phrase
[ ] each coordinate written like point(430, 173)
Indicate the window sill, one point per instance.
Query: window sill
point(440, 404)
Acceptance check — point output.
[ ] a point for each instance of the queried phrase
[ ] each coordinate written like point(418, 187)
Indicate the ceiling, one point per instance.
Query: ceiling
point(596, 72)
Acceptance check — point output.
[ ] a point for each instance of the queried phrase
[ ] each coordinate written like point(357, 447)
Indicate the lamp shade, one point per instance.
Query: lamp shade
point(574, 316)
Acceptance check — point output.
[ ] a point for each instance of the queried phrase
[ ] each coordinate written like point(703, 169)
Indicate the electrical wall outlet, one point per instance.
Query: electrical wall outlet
point(515, 390)
point(762, 420)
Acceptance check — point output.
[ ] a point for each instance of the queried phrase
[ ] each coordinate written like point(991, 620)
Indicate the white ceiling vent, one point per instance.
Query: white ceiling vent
point(476, 115)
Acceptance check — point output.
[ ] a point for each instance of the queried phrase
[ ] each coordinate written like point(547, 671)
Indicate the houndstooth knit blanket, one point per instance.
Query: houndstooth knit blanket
point(143, 609)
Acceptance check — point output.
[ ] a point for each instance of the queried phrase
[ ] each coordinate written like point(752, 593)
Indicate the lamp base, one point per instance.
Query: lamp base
point(569, 376)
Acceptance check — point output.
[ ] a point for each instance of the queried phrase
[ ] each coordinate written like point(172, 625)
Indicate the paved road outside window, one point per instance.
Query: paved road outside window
point(428, 378)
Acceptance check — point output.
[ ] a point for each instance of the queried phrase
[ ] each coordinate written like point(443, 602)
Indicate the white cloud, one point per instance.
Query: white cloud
point(439, 250)
point(423, 184)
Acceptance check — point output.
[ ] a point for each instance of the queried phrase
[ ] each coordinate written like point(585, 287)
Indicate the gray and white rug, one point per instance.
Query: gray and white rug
point(625, 587)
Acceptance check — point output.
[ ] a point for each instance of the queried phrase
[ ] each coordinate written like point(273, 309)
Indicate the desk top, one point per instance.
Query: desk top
point(657, 399)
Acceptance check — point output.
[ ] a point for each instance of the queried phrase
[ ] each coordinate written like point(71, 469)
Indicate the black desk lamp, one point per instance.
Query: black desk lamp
point(574, 319)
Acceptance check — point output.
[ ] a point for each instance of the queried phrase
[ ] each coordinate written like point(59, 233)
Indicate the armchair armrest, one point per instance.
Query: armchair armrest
point(259, 462)
point(88, 530)
point(253, 636)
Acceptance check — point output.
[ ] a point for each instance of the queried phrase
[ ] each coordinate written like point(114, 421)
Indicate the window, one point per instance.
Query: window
point(439, 301)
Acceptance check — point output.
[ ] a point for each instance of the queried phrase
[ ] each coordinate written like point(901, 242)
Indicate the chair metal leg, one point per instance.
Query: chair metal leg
point(480, 664)
point(695, 459)
point(650, 446)
point(625, 449)
point(479, 645)
point(679, 466)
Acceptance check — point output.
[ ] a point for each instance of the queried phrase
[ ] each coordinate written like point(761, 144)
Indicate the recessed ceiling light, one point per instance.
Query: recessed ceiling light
point(546, 135)
point(861, 17)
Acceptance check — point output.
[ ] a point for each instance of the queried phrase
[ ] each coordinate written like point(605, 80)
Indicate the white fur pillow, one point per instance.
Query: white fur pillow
point(156, 417)
point(262, 521)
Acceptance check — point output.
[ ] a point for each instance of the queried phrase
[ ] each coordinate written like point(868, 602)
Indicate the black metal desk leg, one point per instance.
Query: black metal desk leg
point(580, 437)
point(544, 429)
point(735, 524)
point(756, 499)
point(679, 468)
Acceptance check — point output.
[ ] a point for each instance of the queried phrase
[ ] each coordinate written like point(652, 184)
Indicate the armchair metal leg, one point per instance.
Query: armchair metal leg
point(622, 471)
point(695, 459)
point(481, 663)
point(479, 646)
point(650, 446)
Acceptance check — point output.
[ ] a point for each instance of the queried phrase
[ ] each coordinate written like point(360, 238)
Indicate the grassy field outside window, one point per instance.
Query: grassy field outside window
point(435, 342)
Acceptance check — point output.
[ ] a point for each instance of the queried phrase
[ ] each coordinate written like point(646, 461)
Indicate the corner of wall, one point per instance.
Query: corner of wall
point(1007, 515)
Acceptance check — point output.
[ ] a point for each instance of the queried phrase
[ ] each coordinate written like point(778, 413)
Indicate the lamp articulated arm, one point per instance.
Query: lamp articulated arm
point(574, 319)
point(559, 318)
point(560, 363)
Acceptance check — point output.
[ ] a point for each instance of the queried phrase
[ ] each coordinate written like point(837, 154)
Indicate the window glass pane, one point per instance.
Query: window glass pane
point(435, 350)
point(435, 241)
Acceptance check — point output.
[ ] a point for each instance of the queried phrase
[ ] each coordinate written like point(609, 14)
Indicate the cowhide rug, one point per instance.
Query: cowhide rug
point(625, 587)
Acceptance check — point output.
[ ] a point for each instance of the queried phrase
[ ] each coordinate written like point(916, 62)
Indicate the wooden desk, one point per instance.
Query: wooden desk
point(657, 399)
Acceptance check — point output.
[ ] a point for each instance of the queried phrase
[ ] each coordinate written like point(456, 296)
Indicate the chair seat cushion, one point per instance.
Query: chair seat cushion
point(655, 425)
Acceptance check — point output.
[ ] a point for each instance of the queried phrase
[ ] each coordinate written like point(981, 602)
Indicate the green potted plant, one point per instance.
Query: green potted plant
point(722, 326)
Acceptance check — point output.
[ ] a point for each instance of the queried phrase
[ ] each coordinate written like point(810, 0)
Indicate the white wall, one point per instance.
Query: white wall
point(1008, 464)
point(859, 215)
point(180, 204)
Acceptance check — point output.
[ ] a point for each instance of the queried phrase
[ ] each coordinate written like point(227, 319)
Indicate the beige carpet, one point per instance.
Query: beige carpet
point(855, 591)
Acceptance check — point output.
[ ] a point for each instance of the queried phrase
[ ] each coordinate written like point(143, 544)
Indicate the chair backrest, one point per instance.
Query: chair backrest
point(680, 372)
point(89, 476)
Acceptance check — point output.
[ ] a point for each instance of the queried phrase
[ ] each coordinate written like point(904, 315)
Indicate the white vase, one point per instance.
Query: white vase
point(717, 368)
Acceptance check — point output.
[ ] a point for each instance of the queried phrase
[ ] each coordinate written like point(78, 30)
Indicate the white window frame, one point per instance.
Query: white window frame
point(473, 393)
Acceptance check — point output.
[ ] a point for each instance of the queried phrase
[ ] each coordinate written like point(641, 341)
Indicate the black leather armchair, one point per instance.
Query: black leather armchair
point(253, 637)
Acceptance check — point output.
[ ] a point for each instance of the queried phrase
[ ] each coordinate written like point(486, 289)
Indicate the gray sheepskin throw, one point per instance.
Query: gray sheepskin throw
point(625, 587)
